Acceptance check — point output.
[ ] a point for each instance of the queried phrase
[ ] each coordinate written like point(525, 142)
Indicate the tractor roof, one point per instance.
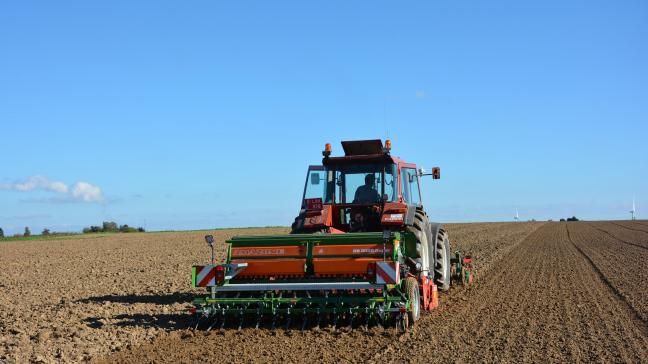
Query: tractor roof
point(363, 151)
point(362, 147)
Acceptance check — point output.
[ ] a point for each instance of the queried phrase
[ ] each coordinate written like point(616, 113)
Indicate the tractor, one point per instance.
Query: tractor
point(361, 250)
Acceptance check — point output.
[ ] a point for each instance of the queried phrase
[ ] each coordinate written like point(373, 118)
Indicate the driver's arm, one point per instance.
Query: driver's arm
point(376, 195)
point(358, 194)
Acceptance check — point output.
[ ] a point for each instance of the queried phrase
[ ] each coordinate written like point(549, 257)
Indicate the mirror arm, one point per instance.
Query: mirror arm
point(210, 241)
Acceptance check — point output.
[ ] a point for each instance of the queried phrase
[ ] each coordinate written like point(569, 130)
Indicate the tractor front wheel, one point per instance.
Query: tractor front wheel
point(297, 226)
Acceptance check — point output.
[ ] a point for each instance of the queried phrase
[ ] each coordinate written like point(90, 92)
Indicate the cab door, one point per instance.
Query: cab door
point(315, 186)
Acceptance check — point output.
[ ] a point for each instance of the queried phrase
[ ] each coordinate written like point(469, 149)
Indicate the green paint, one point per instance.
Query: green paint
point(300, 239)
point(272, 304)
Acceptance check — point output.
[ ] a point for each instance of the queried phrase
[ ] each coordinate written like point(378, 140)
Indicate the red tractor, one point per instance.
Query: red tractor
point(362, 250)
point(370, 190)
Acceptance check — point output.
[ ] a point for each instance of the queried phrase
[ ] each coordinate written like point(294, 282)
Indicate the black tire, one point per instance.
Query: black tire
point(431, 238)
point(442, 261)
point(411, 291)
point(297, 226)
point(420, 230)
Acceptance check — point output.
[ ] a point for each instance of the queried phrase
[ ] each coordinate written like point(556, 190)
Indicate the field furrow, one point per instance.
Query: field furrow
point(630, 225)
point(622, 234)
point(622, 265)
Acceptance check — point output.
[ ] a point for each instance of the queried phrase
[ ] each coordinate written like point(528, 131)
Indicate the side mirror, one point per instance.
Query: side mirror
point(209, 239)
point(315, 178)
point(436, 173)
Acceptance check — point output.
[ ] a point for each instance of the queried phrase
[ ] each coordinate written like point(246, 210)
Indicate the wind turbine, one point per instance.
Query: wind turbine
point(632, 212)
point(517, 216)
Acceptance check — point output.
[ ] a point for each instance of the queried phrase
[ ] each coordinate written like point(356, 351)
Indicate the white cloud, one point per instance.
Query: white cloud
point(80, 191)
point(34, 183)
point(83, 191)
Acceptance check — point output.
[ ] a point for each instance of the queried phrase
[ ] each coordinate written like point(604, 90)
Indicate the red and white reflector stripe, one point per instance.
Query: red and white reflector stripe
point(387, 272)
point(205, 276)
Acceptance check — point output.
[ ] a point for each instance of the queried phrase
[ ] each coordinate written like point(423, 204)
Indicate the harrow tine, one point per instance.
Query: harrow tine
point(305, 313)
point(335, 318)
point(381, 317)
point(274, 322)
point(305, 321)
point(222, 326)
point(367, 317)
point(351, 317)
point(288, 319)
point(213, 323)
point(401, 322)
point(379, 321)
point(259, 317)
point(319, 318)
point(197, 321)
point(240, 319)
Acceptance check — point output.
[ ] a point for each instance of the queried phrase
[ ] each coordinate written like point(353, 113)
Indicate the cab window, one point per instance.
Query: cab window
point(316, 183)
point(405, 186)
point(410, 186)
point(351, 178)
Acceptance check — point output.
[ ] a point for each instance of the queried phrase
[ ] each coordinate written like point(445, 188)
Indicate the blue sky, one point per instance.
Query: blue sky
point(184, 115)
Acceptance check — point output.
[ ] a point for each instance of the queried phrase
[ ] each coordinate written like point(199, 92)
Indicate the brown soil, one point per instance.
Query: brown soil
point(75, 299)
point(620, 257)
point(545, 292)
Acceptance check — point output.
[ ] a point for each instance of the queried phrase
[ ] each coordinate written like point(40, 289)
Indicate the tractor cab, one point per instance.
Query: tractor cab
point(365, 190)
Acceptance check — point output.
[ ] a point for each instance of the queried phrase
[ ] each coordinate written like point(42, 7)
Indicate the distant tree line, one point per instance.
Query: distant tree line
point(28, 233)
point(112, 227)
point(573, 218)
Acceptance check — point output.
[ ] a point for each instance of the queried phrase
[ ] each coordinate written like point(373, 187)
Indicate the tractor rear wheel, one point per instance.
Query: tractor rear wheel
point(413, 294)
point(442, 261)
point(420, 230)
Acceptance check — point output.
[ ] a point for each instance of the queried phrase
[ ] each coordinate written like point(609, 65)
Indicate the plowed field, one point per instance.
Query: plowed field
point(572, 291)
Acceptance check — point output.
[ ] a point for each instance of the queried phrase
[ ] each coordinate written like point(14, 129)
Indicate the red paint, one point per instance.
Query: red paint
point(208, 277)
point(219, 272)
point(384, 275)
point(313, 204)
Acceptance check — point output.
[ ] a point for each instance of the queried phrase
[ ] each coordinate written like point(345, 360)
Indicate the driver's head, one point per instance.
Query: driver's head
point(370, 179)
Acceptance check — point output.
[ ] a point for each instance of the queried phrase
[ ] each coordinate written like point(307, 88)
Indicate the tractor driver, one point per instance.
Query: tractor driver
point(367, 193)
